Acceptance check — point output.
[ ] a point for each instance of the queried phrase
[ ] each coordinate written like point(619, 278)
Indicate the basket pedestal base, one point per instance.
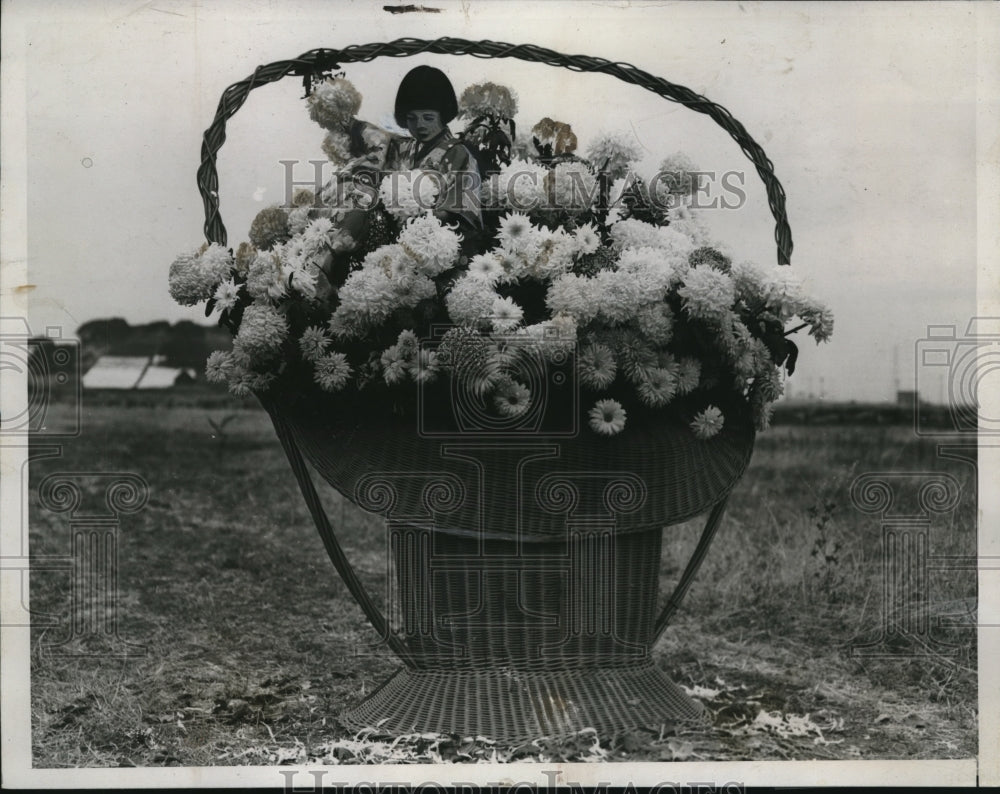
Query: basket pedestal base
point(511, 706)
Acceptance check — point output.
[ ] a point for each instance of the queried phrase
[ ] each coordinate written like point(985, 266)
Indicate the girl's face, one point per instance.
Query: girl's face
point(424, 124)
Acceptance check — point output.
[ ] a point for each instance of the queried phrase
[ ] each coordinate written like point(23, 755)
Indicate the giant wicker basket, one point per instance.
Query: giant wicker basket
point(526, 557)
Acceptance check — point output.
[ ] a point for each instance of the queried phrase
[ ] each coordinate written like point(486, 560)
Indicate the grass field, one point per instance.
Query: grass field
point(251, 646)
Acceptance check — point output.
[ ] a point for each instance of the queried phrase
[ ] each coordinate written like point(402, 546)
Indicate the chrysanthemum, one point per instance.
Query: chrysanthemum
point(607, 417)
point(557, 135)
point(587, 239)
point(522, 185)
point(333, 103)
point(486, 267)
point(298, 219)
point(621, 295)
point(635, 356)
point(424, 368)
point(408, 343)
point(514, 230)
point(337, 147)
point(550, 253)
point(313, 343)
point(763, 412)
point(612, 153)
point(407, 194)
point(677, 175)
point(269, 228)
point(574, 295)
point(707, 293)
point(218, 366)
point(487, 99)
point(512, 398)
point(265, 279)
point(226, 295)
point(262, 330)
point(596, 366)
point(505, 314)
point(632, 233)
point(707, 255)
point(367, 297)
point(555, 338)
point(708, 423)
point(820, 320)
point(469, 301)
point(194, 277)
point(658, 387)
point(332, 371)
point(432, 244)
point(688, 374)
point(572, 187)
point(783, 292)
point(656, 321)
point(245, 254)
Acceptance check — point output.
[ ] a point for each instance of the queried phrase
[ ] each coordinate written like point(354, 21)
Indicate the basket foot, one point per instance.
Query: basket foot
point(513, 706)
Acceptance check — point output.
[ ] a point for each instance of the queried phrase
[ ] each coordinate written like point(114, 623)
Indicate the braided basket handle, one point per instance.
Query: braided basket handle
point(322, 60)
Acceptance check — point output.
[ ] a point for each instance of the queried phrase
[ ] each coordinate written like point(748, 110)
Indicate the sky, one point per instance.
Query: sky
point(867, 111)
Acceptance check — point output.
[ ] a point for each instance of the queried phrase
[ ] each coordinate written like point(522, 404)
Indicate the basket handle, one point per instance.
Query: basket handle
point(321, 60)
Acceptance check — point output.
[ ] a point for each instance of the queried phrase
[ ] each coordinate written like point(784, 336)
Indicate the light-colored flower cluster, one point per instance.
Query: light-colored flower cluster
point(195, 276)
point(407, 194)
point(613, 153)
point(638, 301)
point(487, 99)
point(334, 103)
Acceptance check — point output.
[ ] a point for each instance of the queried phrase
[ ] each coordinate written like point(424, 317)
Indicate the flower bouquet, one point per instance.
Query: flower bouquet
point(528, 373)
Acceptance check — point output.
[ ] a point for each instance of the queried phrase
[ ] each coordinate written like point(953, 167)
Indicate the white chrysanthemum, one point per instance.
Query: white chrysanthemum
point(820, 320)
point(432, 244)
point(783, 292)
point(367, 297)
point(262, 330)
point(688, 374)
point(226, 295)
point(265, 279)
point(407, 194)
point(515, 231)
point(572, 187)
point(393, 260)
point(505, 315)
point(194, 278)
point(298, 219)
point(333, 104)
point(596, 366)
point(522, 185)
point(707, 293)
point(652, 267)
point(749, 279)
point(621, 295)
point(487, 99)
point(470, 301)
point(607, 417)
point(337, 147)
point(632, 233)
point(674, 242)
point(656, 321)
point(313, 343)
point(555, 337)
point(587, 239)
point(575, 295)
point(218, 366)
point(410, 291)
point(659, 386)
point(550, 253)
point(424, 367)
point(511, 398)
point(677, 175)
point(613, 152)
point(301, 278)
point(332, 372)
point(486, 267)
point(708, 423)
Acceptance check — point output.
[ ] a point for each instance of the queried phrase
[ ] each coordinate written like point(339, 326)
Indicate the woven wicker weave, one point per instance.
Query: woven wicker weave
point(526, 562)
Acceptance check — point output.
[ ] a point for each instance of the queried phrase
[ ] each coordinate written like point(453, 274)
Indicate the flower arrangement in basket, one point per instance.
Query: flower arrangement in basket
point(503, 286)
point(517, 245)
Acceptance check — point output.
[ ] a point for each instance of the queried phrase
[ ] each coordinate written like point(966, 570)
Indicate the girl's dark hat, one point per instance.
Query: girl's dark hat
point(426, 88)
